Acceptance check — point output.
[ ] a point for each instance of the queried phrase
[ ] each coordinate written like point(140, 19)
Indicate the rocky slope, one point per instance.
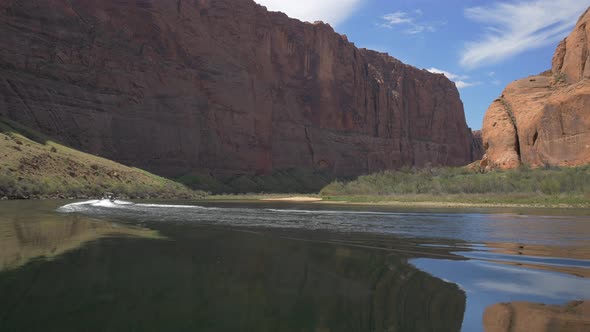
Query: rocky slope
point(32, 166)
point(545, 119)
point(224, 87)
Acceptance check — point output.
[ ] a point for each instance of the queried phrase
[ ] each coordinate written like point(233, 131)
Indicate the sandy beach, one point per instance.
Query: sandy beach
point(293, 199)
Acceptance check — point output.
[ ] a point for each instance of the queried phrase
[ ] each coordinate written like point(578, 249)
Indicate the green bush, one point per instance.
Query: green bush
point(443, 181)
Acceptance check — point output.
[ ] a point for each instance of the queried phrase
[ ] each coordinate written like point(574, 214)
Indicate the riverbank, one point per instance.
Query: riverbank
point(425, 201)
point(463, 200)
point(459, 201)
point(524, 187)
point(401, 202)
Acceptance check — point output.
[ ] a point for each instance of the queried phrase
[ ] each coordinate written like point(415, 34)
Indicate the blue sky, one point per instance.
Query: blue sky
point(482, 45)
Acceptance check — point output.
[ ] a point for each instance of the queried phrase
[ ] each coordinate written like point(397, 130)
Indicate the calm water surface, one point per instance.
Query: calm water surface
point(146, 266)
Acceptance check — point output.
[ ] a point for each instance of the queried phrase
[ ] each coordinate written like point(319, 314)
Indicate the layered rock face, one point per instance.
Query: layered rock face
point(223, 86)
point(545, 119)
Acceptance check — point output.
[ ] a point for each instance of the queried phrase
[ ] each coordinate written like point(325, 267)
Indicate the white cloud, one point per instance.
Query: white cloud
point(410, 23)
point(329, 11)
point(460, 80)
point(515, 27)
point(450, 76)
point(396, 19)
point(462, 84)
point(417, 28)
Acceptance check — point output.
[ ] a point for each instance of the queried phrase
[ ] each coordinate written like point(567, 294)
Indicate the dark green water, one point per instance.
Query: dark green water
point(99, 266)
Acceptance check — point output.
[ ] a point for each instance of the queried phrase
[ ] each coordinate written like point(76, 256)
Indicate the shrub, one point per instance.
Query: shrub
point(441, 181)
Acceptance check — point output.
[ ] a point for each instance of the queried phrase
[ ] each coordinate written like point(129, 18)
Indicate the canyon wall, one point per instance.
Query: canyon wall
point(223, 86)
point(477, 149)
point(544, 120)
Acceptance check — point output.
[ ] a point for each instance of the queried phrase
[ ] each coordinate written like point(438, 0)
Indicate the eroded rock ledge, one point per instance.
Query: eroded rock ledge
point(545, 119)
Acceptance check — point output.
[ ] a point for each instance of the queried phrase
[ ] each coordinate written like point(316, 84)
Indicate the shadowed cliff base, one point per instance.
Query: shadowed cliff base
point(299, 181)
point(33, 166)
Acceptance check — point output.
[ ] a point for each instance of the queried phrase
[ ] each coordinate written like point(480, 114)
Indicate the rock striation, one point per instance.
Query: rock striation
point(544, 120)
point(222, 86)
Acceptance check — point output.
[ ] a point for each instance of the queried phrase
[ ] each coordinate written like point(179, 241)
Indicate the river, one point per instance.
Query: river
point(279, 266)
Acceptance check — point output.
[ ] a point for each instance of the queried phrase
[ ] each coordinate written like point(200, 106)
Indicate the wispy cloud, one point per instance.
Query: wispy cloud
point(515, 27)
point(329, 11)
point(494, 81)
point(396, 18)
point(408, 22)
point(419, 28)
point(460, 80)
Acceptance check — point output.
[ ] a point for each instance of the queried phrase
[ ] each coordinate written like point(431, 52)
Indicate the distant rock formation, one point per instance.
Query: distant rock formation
point(223, 86)
point(545, 119)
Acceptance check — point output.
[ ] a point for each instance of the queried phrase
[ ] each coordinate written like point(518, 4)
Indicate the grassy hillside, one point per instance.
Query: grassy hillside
point(32, 166)
point(546, 187)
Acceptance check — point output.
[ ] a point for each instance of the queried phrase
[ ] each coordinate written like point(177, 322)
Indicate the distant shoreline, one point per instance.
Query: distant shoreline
point(434, 204)
point(306, 199)
point(59, 197)
point(410, 201)
point(400, 201)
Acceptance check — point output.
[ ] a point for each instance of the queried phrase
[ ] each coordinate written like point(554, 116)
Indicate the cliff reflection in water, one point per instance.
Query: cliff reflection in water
point(211, 279)
point(527, 316)
point(33, 234)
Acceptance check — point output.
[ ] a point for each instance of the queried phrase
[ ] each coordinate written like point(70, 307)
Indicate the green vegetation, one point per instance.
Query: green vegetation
point(560, 77)
point(286, 181)
point(548, 186)
point(508, 109)
point(32, 166)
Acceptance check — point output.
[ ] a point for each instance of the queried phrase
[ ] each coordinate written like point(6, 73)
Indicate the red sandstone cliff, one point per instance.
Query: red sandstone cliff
point(223, 86)
point(545, 119)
